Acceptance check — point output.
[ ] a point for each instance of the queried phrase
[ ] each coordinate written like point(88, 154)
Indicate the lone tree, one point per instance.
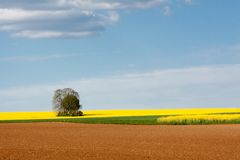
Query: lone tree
point(66, 102)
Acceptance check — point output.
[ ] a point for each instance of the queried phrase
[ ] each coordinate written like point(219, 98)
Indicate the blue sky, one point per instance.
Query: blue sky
point(120, 54)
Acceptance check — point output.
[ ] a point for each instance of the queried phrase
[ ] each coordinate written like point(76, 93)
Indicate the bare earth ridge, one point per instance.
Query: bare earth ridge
point(69, 141)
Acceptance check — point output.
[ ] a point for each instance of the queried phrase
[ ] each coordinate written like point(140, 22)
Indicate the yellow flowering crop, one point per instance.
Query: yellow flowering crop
point(192, 119)
point(115, 113)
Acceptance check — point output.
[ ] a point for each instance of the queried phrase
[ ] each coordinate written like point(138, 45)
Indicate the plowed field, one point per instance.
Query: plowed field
point(72, 141)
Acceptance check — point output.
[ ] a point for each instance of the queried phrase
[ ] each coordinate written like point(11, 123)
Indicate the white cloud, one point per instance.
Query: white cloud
point(207, 86)
point(54, 24)
point(21, 14)
point(51, 34)
point(66, 18)
point(111, 5)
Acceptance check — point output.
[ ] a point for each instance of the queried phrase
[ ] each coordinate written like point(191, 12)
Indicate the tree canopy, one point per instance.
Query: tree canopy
point(66, 102)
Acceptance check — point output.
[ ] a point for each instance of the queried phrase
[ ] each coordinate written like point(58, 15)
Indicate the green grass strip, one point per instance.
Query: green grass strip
point(134, 120)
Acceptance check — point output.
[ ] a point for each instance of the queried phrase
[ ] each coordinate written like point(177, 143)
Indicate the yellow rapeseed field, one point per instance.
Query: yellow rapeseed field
point(117, 113)
point(180, 119)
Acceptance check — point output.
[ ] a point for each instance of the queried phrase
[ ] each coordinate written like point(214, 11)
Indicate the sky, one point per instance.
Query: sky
point(120, 54)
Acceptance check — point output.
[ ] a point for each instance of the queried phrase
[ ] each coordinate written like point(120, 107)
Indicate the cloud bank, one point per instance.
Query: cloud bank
point(67, 18)
point(207, 86)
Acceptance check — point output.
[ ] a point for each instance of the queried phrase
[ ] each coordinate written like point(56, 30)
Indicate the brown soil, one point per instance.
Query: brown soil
point(68, 141)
